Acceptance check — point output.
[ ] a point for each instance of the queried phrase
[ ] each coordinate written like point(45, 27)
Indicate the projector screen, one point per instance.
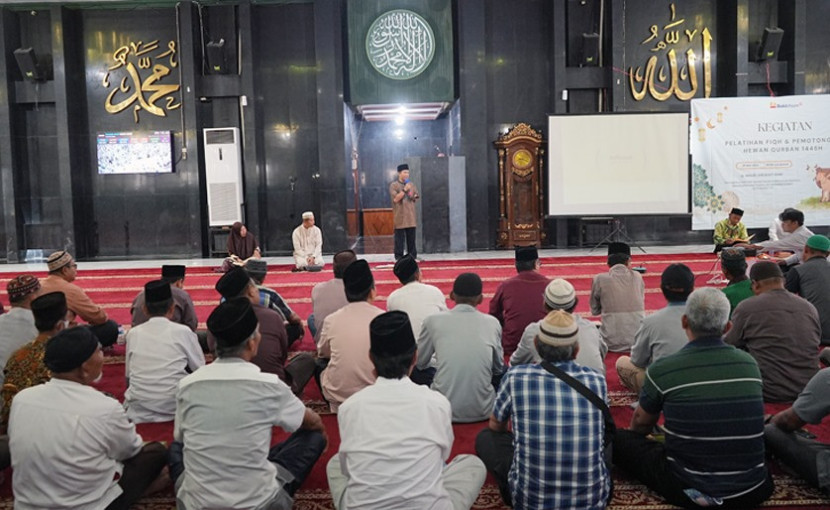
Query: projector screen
point(137, 152)
point(616, 164)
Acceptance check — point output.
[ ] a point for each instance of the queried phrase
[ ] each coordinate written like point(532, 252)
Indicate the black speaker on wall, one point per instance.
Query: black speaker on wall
point(28, 64)
point(215, 53)
point(770, 42)
point(589, 52)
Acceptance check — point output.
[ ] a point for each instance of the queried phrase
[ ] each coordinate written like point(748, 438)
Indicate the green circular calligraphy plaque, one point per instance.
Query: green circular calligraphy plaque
point(400, 44)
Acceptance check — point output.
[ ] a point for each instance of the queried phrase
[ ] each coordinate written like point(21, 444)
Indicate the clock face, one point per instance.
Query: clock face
point(400, 44)
point(522, 159)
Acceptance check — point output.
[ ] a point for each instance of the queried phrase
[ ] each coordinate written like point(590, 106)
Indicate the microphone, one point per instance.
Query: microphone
point(406, 181)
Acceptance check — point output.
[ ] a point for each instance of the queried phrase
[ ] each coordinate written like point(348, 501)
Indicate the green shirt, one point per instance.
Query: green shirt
point(737, 292)
point(724, 231)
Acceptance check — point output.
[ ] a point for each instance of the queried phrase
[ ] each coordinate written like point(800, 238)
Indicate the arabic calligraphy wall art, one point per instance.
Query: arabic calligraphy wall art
point(147, 81)
point(400, 44)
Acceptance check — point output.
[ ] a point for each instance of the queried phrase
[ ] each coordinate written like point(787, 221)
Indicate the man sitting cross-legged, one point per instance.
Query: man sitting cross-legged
point(273, 351)
point(257, 269)
point(553, 458)
point(183, 309)
point(71, 445)
point(619, 296)
point(561, 295)
point(468, 352)
point(396, 436)
point(733, 267)
point(327, 297)
point(17, 325)
point(225, 412)
point(710, 395)
point(660, 333)
point(160, 353)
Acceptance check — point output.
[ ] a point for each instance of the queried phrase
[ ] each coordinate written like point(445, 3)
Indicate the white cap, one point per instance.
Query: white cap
point(307, 215)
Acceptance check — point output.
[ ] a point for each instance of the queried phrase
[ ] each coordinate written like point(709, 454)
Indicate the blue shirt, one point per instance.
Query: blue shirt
point(558, 459)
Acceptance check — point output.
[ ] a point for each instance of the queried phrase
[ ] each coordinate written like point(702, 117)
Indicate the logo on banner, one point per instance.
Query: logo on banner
point(400, 44)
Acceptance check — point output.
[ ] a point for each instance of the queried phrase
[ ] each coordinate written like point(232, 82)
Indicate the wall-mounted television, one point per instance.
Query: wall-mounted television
point(135, 152)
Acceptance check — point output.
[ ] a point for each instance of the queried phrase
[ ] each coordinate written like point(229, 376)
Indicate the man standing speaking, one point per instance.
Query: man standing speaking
point(404, 195)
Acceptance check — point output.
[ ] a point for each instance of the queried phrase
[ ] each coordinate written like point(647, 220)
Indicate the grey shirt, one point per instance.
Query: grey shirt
point(592, 349)
point(811, 280)
point(619, 297)
point(183, 311)
point(326, 298)
point(467, 346)
point(17, 328)
point(660, 334)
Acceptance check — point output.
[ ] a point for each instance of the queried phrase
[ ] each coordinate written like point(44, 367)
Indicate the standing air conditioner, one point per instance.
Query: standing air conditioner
point(223, 174)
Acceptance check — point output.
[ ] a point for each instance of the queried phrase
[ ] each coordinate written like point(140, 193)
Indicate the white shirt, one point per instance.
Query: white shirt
point(224, 416)
point(158, 352)
point(17, 328)
point(794, 242)
point(419, 301)
point(67, 441)
point(308, 242)
point(395, 438)
point(592, 349)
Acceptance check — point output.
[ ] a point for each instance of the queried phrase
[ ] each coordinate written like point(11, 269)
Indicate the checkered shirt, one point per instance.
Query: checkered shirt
point(558, 460)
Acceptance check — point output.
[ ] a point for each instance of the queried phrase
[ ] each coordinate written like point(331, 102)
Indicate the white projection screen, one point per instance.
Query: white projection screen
point(618, 164)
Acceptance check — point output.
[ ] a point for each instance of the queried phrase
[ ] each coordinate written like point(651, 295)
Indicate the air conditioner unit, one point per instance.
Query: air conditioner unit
point(223, 175)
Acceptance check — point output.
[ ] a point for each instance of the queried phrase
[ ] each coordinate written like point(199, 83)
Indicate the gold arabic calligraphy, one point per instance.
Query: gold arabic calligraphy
point(137, 89)
point(654, 81)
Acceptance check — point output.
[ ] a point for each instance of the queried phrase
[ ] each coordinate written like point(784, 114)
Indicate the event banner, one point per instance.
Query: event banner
point(762, 154)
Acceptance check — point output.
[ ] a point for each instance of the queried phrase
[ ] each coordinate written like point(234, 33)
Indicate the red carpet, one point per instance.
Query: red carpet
point(115, 290)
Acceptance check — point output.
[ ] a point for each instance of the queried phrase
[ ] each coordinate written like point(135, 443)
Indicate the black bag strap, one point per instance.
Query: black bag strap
point(610, 426)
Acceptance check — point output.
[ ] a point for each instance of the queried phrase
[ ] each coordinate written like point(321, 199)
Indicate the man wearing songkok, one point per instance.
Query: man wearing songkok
point(419, 300)
point(518, 300)
point(308, 245)
point(661, 333)
point(329, 296)
point(733, 267)
point(257, 269)
point(272, 351)
point(17, 326)
point(160, 353)
point(780, 330)
point(183, 309)
point(467, 348)
point(561, 295)
point(25, 367)
point(730, 230)
point(710, 396)
point(553, 458)
point(404, 194)
point(71, 445)
point(811, 280)
point(809, 458)
point(62, 272)
point(221, 456)
point(396, 436)
point(344, 339)
point(619, 297)
point(792, 222)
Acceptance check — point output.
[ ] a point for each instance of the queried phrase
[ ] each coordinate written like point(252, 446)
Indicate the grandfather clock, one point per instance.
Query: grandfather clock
point(520, 187)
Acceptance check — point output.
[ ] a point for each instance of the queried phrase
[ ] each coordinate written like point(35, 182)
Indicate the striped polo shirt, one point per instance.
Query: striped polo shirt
point(711, 397)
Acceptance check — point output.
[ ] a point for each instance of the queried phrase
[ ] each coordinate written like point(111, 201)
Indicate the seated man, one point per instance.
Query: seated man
point(225, 413)
point(345, 338)
point(780, 330)
point(71, 445)
point(25, 368)
point(730, 230)
point(661, 333)
point(516, 302)
point(396, 436)
point(553, 458)
point(183, 310)
point(328, 297)
point(733, 267)
point(160, 353)
point(467, 348)
point(62, 272)
point(308, 245)
point(811, 280)
point(257, 269)
point(711, 398)
point(619, 297)
point(809, 458)
point(414, 297)
point(17, 326)
point(561, 295)
point(272, 351)
point(792, 222)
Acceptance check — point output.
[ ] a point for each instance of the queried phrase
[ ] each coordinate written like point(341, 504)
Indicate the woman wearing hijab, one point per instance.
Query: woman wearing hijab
point(242, 245)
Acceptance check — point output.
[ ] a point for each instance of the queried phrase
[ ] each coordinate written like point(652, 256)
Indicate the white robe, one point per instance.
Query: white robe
point(308, 242)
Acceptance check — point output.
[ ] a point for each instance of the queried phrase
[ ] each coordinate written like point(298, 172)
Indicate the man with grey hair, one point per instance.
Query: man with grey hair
point(710, 395)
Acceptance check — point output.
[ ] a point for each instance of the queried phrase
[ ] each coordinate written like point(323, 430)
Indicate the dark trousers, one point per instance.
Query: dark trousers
point(798, 453)
point(646, 460)
point(495, 449)
point(301, 368)
point(297, 454)
point(423, 377)
point(107, 332)
point(139, 472)
point(407, 234)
